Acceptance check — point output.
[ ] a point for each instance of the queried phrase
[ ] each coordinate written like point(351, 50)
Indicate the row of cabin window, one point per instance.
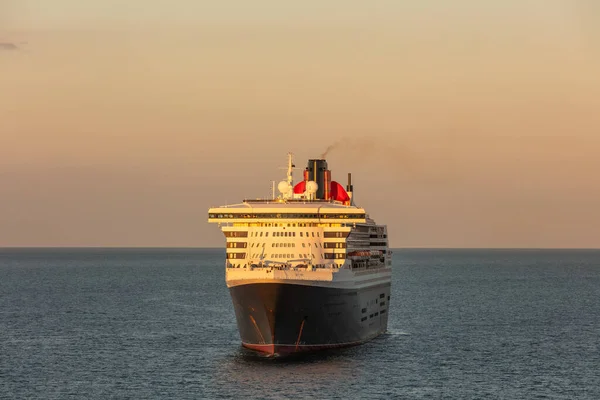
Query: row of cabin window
point(284, 234)
point(331, 256)
point(288, 224)
point(317, 244)
point(334, 245)
point(289, 216)
point(236, 255)
point(288, 256)
point(310, 244)
point(326, 245)
point(335, 234)
point(325, 234)
point(243, 256)
point(237, 245)
point(283, 244)
point(328, 256)
point(236, 234)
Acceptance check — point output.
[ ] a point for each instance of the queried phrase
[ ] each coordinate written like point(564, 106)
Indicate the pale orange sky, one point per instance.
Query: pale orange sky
point(464, 124)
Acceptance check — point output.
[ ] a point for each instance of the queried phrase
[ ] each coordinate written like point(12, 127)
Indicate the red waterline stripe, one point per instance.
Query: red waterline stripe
point(293, 348)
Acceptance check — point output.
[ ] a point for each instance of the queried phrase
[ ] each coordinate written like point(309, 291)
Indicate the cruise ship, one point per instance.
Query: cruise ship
point(307, 269)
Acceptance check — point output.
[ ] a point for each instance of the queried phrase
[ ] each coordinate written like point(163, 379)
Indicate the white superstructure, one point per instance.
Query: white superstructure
point(300, 237)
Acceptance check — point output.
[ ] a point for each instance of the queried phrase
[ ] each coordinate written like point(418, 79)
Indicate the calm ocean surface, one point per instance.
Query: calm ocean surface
point(158, 323)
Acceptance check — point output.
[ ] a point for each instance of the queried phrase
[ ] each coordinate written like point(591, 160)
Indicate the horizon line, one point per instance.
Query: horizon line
point(223, 248)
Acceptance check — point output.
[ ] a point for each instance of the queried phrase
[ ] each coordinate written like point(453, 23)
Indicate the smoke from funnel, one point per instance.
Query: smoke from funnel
point(403, 160)
point(329, 149)
point(364, 146)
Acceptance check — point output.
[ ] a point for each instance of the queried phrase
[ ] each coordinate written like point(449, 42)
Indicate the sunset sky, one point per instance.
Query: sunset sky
point(465, 123)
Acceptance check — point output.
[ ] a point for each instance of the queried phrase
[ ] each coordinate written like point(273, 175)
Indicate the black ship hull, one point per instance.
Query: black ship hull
point(283, 318)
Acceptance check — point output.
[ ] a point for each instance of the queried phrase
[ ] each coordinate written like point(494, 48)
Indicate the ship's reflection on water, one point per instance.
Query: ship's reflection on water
point(305, 373)
point(297, 358)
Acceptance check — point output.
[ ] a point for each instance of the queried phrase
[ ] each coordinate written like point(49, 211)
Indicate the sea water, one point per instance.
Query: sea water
point(159, 323)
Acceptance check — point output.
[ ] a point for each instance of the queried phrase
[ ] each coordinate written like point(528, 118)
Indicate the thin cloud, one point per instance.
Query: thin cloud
point(8, 46)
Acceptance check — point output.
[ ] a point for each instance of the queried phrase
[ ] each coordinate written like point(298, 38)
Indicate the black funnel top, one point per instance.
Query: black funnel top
point(316, 172)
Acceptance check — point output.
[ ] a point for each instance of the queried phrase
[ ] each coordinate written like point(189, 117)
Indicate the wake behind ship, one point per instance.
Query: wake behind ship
point(307, 270)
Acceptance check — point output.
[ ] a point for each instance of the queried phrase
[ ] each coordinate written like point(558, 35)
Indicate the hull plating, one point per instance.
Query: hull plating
point(280, 318)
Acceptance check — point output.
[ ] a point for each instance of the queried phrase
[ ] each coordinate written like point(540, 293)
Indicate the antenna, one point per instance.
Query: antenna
point(286, 187)
point(290, 167)
point(290, 171)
